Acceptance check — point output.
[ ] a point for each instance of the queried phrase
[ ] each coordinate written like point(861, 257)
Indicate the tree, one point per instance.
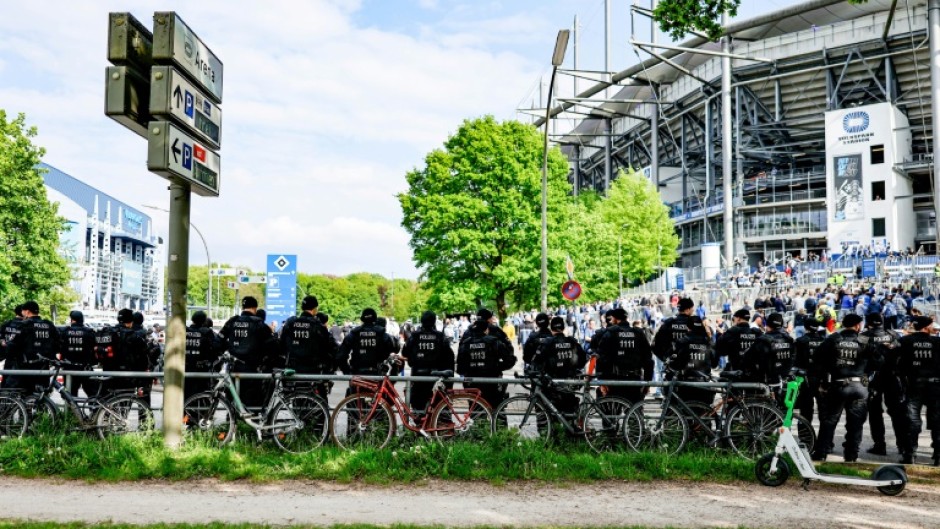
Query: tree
point(31, 266)
point(474, 215)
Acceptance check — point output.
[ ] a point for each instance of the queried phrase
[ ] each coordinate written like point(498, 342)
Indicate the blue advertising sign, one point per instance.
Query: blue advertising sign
point(868, 267)
point(680, 282)
point(281, 292)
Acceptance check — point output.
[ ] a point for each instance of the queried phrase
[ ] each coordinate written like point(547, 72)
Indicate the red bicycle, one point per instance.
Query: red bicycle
point(365, 419)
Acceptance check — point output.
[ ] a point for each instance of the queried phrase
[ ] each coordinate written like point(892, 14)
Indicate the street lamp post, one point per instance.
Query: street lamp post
point(208, 259)
point(561, 44)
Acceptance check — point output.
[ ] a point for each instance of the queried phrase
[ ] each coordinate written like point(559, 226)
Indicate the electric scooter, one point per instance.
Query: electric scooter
point(773, 470)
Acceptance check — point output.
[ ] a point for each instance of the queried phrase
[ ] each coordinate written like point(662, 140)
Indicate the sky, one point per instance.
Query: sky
point(327, 105)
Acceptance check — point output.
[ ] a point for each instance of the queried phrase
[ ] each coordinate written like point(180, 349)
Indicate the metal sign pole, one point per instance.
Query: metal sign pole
point(177, 277)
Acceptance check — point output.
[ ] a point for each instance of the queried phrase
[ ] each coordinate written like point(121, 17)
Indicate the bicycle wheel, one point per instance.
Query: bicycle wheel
point(524, 418)
point(301, 423)
point(123, 415)
point(14, 418)
point(207, 414)
point(359, 421)
point(461, 417)
point(649, 426)
point(751, 428)
point(804, 431)
point(602, 423)
point(41, 410)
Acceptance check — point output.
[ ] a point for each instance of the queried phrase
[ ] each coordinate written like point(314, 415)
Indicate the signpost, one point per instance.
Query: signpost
point(174, 96)
point(571, 290)
point(248, 280)
point(174, 154)
point(281, 293)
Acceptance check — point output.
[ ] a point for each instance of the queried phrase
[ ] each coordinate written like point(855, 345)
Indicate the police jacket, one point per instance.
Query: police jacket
point(306, 345)
point(8, 331)
point(842, 355)
point(495, 332)
point(483, 355)
point(668, 334)
point(919, 356)
point(806, 347)
point(536, 339)
point(364, 349)
point(735, 342)
point(79, 344)
point(37, 337)
point(623, 352)
point(885, 344)
point(770, 358)
point(428, 350)
point(694, 353)
point(250, 340)
point(202, 348)
point(560, 357)
point(121, 348)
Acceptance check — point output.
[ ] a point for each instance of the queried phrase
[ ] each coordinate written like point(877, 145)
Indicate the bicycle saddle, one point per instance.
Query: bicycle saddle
point(444, 374)
point(731, 374)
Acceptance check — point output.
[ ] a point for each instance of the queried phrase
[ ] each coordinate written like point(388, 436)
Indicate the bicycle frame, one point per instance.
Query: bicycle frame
point(672, 398)
point(225, 388)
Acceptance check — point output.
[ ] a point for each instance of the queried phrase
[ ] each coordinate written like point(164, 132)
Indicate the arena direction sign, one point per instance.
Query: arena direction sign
point(171, 94)
point(174, 154)
point(174, 42)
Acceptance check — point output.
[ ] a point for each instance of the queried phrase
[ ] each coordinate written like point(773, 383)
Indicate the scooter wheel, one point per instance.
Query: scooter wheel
point(768, 478)
point(890, 472)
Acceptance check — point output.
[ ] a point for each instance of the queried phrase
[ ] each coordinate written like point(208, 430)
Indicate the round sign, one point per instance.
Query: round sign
point(571, 290)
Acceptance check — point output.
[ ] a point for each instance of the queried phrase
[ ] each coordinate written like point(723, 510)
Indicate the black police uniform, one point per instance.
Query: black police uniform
point(483, 355)
point(670, 332)
point(78, 346)
point(885, 389)
point(694, 355)
point(8, 331)
point(919, 364)
point(37, 338)
point(771, 357)
point(623, 353)
point(561, 357)
point(806, 347)
point(121, 348)
point(735, 342)
point(364, 349)
point(250, 340)
point(844, 363)
point(309, 348)
point(203, 348)
point(536, 340)
point(149, 359)
point(427, 350)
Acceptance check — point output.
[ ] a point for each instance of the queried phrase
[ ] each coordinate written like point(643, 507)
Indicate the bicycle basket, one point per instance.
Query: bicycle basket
point(363, 384)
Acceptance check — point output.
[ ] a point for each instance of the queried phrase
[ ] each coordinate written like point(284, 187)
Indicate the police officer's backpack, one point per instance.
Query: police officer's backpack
point(112, 349)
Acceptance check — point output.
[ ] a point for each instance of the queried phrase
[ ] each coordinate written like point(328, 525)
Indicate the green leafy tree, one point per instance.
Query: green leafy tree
point(474, 215)
point(31, 266)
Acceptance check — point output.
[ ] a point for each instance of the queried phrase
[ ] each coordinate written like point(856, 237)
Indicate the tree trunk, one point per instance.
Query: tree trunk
point(501, 305)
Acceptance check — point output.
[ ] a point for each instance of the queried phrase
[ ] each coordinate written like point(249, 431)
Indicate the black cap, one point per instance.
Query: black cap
point(775, 320)
point(557, 324)
point(249, 302)
point(695, 325)
point(323, 317)
point(31, 306)
point(874, 320)
point(484, 314)
point(743, 314)
point(138, 318)
point(77, 316)
point(125, 316)
point(309, 303)
point(368, 315)
point(18, 310)
point(428, 320)
point(209, 323)
point(686, 304)
point(542, 320)
point(922, 322)
point(199, 318)
point(261, 313)
point(619, 314)
point(811, 324)
point(481, 325)
point(851, 320)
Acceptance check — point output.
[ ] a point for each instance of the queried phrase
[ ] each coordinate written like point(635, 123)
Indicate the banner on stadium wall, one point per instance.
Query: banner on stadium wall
point(848, 185)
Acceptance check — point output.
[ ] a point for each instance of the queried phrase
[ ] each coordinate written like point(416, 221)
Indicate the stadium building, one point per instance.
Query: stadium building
point(110, 245)
point(831, 141)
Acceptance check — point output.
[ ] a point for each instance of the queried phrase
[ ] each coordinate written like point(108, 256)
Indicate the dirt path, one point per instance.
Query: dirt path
point(613, 503)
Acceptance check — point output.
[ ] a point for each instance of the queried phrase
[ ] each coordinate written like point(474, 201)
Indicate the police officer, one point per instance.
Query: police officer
point(771, 357)
point(694, 358)
point(150, 359)
point(307, 345)
point(38, 338)
point(202, 350)
point(9, 330)
point(494, 330)
point(365, 347)
point(844, 363)
point(885, 388)
point(541, 336)
point(483, 355)
point(737, 340)
point(79, 346)
point(919, 365)
point(394, 337)
point(252, 342)
point(426, 350)
point(623, 353)
point(806, 348)
point(121, 348)
point(561, 357)
point(672, 330)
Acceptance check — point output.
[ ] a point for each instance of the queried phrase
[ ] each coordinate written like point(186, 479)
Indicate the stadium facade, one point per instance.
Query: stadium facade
point(831, 142)
point(110, 245)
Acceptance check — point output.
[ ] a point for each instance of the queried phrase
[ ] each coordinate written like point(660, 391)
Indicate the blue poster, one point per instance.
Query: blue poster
point(868, 267)
point(281, 292)
point(680, 282)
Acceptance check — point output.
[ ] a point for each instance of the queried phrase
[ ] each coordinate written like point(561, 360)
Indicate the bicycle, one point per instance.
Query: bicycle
point(297, 420)
point(14, 416)
point(366, 418)
point(663, 424)
point(117, 412)
point(532, 416)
